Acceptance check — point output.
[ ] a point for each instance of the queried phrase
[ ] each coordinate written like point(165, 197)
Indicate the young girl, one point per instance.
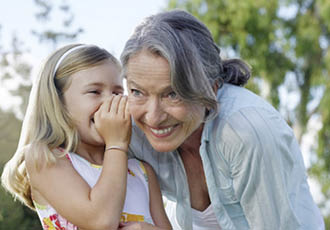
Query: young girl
point(71, 164)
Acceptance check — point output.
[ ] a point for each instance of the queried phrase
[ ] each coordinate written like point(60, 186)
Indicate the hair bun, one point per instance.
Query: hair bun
point(235, 72)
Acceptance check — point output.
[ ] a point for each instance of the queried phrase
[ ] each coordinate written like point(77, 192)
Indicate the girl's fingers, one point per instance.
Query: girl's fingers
point(104, 107)
point(127, 112)
point(108, 104)
point(115, 104)
point(99, 111)
point(122, 106)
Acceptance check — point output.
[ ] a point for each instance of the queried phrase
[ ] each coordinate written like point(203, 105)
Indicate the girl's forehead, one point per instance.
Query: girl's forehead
point(102, 74)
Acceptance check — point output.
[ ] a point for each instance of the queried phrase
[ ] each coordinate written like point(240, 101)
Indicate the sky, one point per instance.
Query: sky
point(107, 23)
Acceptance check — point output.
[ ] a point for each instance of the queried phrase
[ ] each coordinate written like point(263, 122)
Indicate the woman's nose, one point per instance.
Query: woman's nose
point(155, 113)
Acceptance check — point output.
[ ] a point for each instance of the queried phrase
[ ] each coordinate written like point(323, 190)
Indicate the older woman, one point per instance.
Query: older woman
point(222, 154)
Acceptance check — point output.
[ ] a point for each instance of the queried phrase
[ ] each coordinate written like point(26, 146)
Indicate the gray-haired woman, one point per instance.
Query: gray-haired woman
point(222, 154)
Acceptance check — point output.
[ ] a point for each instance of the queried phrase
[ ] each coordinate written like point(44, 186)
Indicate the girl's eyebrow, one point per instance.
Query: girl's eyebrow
point(119, 87)
point(94, 84)
point(99, 84)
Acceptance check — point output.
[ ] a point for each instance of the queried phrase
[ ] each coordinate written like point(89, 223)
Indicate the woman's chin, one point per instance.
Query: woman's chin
point(164, 147)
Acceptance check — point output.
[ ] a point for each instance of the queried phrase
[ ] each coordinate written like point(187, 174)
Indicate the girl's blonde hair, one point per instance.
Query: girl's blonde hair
point(47, 124)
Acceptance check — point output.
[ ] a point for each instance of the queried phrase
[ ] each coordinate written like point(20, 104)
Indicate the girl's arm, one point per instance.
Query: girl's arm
point(157, 210)
point(65, 190)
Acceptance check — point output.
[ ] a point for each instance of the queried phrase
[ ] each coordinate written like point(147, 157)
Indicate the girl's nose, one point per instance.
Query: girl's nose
point(106, 95)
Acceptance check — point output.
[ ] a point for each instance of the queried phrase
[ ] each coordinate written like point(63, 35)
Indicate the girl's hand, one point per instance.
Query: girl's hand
point(113, 121)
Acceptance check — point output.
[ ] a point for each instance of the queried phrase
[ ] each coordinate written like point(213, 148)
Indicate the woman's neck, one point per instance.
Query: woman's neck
point(193, 142)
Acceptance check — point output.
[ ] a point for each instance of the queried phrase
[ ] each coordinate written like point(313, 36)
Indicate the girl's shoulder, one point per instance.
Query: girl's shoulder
point(43, 165)
point(37, 156)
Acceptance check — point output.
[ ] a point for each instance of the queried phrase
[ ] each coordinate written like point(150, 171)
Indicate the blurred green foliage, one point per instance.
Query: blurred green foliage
point(14, 215)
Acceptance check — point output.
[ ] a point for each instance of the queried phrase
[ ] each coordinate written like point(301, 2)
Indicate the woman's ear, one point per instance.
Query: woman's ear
point(215, 86)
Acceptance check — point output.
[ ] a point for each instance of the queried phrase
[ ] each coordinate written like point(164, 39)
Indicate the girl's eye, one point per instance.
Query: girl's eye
point(117, 92)
point(94, 92)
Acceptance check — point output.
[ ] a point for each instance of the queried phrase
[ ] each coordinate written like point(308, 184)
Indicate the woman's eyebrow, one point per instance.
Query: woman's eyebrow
point(133, 83)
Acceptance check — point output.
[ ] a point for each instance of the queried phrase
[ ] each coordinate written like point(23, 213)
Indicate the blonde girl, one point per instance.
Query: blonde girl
point(71, 164)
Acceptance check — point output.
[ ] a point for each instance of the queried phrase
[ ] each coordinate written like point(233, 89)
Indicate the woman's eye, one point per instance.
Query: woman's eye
point(135, 92)
point(172, 95)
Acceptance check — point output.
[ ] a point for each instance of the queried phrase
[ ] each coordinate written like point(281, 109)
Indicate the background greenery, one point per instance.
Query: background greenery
point(286, 42)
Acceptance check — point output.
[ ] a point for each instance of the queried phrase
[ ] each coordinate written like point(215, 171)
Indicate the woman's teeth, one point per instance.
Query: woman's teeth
point(162, 131)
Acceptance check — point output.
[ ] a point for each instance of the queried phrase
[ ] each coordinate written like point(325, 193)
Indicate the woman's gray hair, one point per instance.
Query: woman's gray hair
point(193, 57)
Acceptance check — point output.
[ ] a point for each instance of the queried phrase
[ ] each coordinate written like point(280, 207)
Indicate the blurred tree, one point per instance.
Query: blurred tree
point(10, 127)
point(15, 67)
point(287, 44)
point(14, 216)
point(66, 32)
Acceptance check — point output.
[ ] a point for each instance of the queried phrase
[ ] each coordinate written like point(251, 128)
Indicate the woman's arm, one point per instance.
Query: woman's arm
point(263, 167)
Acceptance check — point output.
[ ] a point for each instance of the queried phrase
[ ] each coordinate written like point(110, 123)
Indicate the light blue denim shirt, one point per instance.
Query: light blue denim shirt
point(254, 169)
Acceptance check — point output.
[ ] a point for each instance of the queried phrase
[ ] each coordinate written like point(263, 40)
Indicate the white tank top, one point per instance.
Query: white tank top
point(202, 220)
point(136, 206)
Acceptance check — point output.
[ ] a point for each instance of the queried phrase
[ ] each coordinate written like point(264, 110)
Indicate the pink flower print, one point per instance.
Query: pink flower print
point(57, 222)
point(66, 224)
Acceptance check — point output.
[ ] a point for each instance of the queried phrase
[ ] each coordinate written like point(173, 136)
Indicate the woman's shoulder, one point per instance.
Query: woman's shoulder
point(242, 110)
point(247, 125)
point(234, 99)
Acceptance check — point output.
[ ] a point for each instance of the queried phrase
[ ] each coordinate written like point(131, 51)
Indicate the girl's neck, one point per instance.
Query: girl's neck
point(93, 154)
